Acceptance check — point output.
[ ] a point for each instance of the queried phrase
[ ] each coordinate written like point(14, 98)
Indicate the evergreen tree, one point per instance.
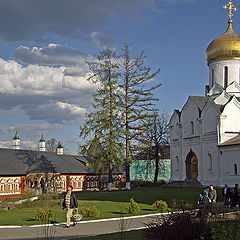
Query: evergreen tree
point(137, 101)
point(104, 120)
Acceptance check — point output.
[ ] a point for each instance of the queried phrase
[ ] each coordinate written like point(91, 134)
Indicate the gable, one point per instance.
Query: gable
point(222, 99)
point(210, 115)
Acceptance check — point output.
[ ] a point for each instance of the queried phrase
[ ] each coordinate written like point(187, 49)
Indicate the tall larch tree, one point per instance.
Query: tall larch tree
point(104, 120)
point(137, 101)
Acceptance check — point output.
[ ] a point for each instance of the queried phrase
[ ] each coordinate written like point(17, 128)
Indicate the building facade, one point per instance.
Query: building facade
point(23, 171)
point(204, 135)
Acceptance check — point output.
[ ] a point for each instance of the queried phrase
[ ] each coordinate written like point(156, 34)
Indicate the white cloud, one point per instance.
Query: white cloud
point(5, 144)
point(27, 131)
point(73, 109)
point(38, 90)
point(102, 40)
point(53, 54)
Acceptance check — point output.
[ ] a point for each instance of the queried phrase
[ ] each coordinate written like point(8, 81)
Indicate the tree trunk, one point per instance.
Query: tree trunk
point(128, 185)
point(156, 164)
point(109, 186)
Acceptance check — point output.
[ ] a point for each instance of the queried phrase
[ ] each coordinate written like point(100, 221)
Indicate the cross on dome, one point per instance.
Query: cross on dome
point(230, 7)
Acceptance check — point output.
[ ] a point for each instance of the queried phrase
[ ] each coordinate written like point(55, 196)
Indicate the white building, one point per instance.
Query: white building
point(204, 135)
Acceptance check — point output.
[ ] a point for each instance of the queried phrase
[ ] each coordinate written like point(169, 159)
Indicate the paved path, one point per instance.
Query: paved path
point(84, 228)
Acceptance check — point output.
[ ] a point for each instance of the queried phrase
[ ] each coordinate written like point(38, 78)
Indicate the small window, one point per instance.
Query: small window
point(235, 169)
point(192, 127)
point(212, 79)
point(210, 162)
point(177, 163)
point(225, 77)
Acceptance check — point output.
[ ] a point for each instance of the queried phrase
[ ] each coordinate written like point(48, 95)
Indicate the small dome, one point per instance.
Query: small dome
point(225, 47)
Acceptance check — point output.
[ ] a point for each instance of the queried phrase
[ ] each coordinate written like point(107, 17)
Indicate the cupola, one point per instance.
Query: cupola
point(223, 58)
point(16, 141)
point(42, 144)
point(59, 149)
point(225, 47)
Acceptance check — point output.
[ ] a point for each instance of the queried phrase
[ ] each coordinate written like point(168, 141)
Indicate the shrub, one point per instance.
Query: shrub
point(160, 205)
point(178, 226)
point(186, 205)
point(43, 215)
point(133, 207)
point(89, 212)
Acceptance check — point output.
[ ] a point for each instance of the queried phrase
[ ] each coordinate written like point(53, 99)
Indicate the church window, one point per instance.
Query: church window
point(177, 163)
point(192, 127)
point(211, 83)
point(235, 169)
point(225, 77)
point(210, 162)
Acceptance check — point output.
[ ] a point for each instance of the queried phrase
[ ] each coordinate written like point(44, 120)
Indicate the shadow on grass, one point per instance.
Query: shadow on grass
point(30, 220)
point(147, 209)
point(119, 213)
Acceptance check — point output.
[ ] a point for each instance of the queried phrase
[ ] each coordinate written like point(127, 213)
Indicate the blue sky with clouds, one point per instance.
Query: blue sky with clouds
point(44, 45)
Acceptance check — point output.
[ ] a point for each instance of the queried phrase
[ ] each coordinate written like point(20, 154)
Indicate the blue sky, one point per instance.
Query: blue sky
point(44, 45)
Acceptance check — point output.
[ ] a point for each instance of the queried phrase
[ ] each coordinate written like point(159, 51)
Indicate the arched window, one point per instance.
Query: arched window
point(212, 79)
point(235, 169)
point(192, 127)
point(210, 163)
point(177, 163)
point(225, 77)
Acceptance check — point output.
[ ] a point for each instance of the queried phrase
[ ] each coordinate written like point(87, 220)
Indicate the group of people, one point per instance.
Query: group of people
point(230, 196)
point(208, 196)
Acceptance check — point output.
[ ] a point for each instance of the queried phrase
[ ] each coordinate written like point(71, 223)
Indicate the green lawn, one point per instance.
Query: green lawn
point(110, 204)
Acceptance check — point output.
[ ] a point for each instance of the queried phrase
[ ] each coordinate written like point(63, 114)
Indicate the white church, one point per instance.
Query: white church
point(205, 134)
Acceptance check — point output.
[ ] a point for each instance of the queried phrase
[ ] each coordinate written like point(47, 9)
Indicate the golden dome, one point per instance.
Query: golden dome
point(225, 47)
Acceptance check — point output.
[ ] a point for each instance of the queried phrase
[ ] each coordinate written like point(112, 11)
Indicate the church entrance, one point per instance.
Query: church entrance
point(191, 166)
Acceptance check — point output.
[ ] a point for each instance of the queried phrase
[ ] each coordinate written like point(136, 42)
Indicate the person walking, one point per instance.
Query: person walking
point(226, 195)
point(70, 203)
point(234, 197)
point(212, 194)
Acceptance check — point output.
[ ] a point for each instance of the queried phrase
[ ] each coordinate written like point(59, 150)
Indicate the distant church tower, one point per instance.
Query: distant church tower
point(42, 145)
point(16, 141)
point(59, 149)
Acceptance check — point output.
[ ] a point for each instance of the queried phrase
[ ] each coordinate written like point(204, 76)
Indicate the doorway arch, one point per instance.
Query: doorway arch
point(191, 166)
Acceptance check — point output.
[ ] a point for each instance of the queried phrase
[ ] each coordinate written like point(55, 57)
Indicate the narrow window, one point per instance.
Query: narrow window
point(239, 76)
point(225, 77)
point(177, 163)
point(235, 169)
point(211, 83)
point(209, 161)
point(192, 127)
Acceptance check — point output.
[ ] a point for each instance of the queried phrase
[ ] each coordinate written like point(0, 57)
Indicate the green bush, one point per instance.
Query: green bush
point(43, 215)
point(133, 207)
point(89, 212)
point(160, 205)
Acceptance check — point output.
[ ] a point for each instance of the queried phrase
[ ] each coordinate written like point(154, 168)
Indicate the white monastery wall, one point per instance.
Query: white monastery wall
point(218, 75)
point(229, 121)
point(230, 165)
